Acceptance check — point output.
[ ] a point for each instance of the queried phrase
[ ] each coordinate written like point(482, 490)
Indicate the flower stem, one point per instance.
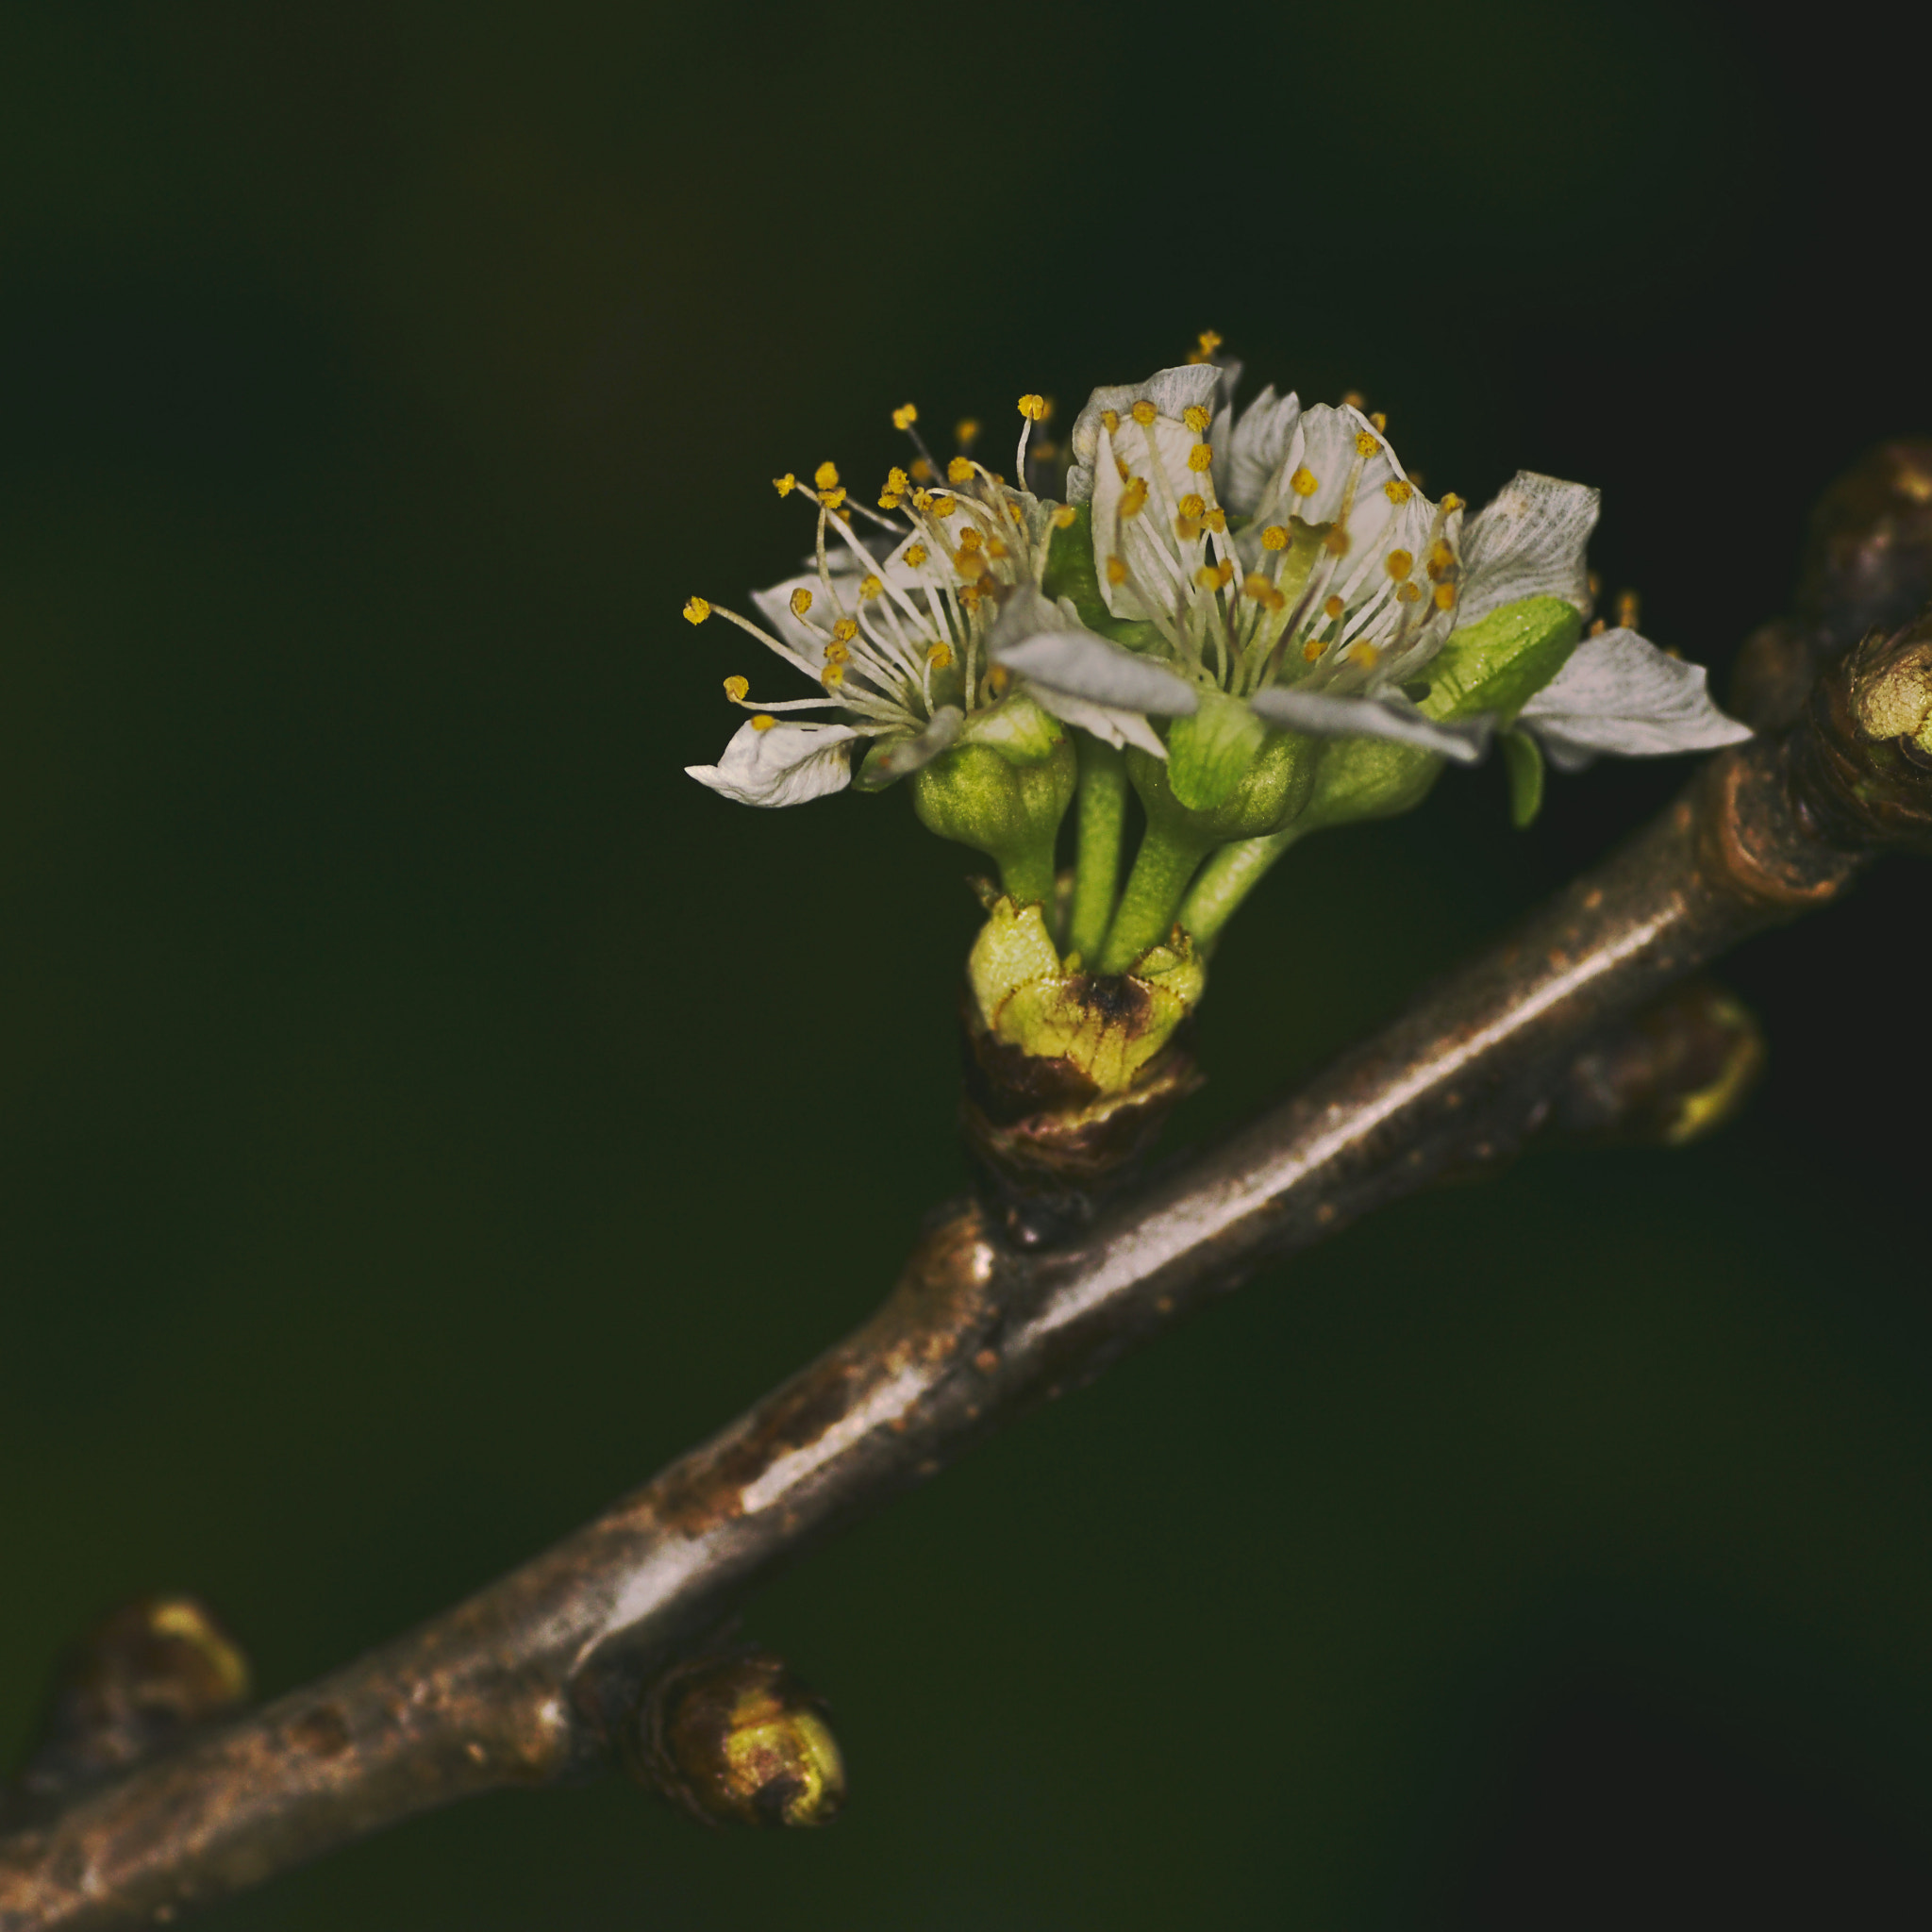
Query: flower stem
point(1102, 814)
point(1162, 868)
point(1227, 879)
point(1028, 874)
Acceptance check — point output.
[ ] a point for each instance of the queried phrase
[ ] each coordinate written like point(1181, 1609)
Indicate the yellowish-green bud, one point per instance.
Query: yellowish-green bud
point(1108, 1027)
point(1892, 693)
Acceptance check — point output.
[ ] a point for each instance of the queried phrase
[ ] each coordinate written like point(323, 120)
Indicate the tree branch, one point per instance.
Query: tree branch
point(543, 1676)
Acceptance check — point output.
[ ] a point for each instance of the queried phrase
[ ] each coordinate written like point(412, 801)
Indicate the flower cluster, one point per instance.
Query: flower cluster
point(1254, 619)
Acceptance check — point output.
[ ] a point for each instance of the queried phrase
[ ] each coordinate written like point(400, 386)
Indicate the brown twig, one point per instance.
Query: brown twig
point(543, 1675)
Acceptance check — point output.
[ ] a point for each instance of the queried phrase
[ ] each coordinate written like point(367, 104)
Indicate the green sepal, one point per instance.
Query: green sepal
point(976, 794)
point(1017, 728)
point(1500, 663)
point(1071, 572)
point(1369, 778)
point(1523, 758)
point(1209, 753)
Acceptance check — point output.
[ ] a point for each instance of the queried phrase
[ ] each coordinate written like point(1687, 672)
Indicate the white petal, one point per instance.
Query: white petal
point(783, 764)
point(774, 606)
point(1393, 716)
point(1036, 637)
point(1247, 455)
point(1620, 693)
point(1171, 390)
point(1109, 723)
point(1527, 544)
point(899, 757)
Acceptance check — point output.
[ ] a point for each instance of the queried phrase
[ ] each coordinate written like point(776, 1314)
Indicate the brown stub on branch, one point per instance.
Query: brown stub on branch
point(1046, 1141)
point(134, 1685)
point(1868, 560)
point(1673, 1072)
point(733, 1737)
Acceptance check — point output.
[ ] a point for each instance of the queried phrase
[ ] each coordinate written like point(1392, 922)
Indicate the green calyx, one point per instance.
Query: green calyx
point(1109, 1027)
point(1003, 790)
point(1500, 663)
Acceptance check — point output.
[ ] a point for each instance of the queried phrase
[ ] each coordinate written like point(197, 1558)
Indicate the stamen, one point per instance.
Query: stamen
point(1398, 563)
point(825, 476)
point(939, 656)
point(1379, 420)
point(763, 721)
point(696, 611)
point(1303, 482)
point(1366, 655)
point(736, 688)
point(959, 470)
point(1196, 417)
point(916, 553)
point(1065, 517)
point(1397, 490)
point(801, 601)
point(785, 484)
point(1441, 558)
point(1134, 498)
point(1333, 607)
point(1034, 409)
point(1209, 341)
point(905, 416)
point(1256, 586)
point(1446, 596)
point(966, 431)
point(1365, 444)
point(845, 630)
point(870, 588)
point(1335, 542)
point(1409, 593)
point(1143, 413)
point(1110, 421)
point(1274, 538)
point(1201, 457)
point(1116, 571)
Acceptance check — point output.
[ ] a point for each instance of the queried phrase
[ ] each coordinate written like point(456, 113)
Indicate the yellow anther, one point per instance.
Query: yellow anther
point(959, 470)
point(905, 416)
point(966, 431)
point(785, 484)
point(888, 500)
point(1209, 341)
point(1451, 502)
point(1256, 586)
point(1365, 654)
point(939, 656)
point(1277, 600)
point(1110, 421)
point(897, 480)
point(1143, 413)
point(1224, 571)
point(945, 505)
point(1034, 407)
point(1192, 506)
point(737, 689)
point(832, 498)
point(1446, 596)
point(696, 611)
point(1200, 457)
point(801, 601)
point(1312, 649)
point(837, 653)
point(1379, 420)
point(1303, 482)
point(921, 500)
point(1196, 417)
point(970, 538)
point(996, 547)
point(1208, 577)
point(1045, 449)
point(1185, 529)
point(1354, 400)
point(970, 565)
point(915, 555)
point(1396, 490)
point(1409, 593)
point(1216, 520)
point(1121, 467)
point(1440, 558)
point(832, 676)
point(845, 630)
point(1629, 610)
point(826, 476)
point(1365, 444)
point(1116, 571)
point(763, 721)
point(1134, 497)
point(1335, 542)
point(997, 679)
point(1274, 538)
point(970, 595)
point(1065, 517)
point(1398, 563)
point(1333, 607)
point(921, 470)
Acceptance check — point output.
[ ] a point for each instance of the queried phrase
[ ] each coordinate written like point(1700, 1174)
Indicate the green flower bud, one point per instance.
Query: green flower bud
point(1003, 791)
point(737, 1739)
point(1106, 1029)
point(1266, 794)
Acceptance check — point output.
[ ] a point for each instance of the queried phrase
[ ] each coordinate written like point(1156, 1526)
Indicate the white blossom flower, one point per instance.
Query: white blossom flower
point(1286, 560)
point(895, 632)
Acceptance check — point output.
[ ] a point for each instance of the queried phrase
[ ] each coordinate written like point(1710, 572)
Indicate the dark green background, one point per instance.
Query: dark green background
point(423, 1110)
